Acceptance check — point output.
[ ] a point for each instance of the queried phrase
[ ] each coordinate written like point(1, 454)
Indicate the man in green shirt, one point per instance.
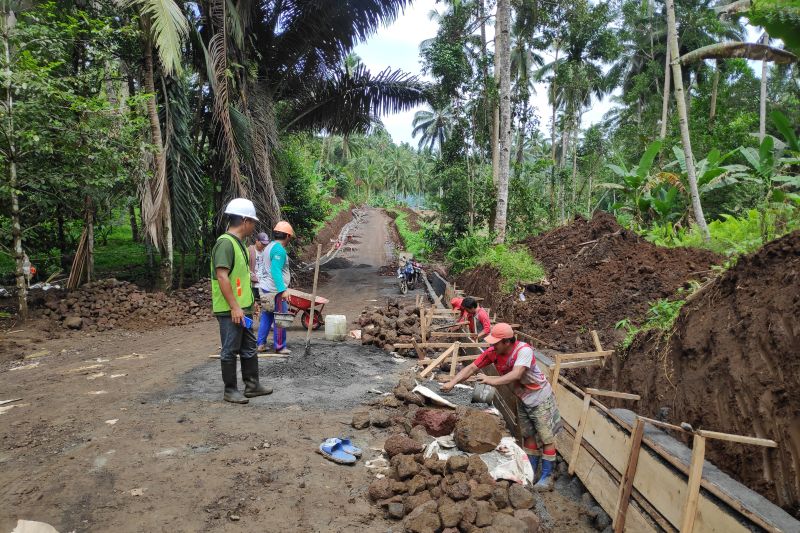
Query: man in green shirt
point(232, 301)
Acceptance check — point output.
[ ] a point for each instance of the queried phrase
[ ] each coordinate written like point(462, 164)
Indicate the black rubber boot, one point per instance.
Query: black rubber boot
point(252, 387)
point(231, 394)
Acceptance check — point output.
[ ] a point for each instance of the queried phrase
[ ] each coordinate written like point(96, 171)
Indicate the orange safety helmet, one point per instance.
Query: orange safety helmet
point(455, 303)
point(284, 227)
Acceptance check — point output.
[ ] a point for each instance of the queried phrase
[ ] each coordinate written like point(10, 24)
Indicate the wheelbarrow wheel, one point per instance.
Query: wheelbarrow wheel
point(317, 320)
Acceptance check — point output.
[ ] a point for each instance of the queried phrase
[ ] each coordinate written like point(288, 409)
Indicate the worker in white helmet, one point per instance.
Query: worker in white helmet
point(232, 301)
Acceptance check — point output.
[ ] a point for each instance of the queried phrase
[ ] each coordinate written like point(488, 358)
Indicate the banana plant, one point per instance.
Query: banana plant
point(711, 173)
point(635, 196)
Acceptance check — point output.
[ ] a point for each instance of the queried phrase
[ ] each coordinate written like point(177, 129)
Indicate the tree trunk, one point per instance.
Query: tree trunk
point(712, 113)
point(553, 139)
point(665, 102)
point(503, 72)
point(134, 226)
point(684, 120)
point(495, 138)
point(762, 102)
point(11, 160)
point(89, 221)
point(523, 123)
point(159, 220)
point(575, 164)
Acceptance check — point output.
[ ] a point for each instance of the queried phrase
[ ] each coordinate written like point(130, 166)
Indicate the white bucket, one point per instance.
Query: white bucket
point(335, 327)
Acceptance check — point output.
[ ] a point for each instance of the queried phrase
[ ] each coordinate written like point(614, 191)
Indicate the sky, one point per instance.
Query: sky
point(397, 46)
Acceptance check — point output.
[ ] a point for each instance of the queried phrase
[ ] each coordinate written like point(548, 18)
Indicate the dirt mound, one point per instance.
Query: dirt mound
point(732, 364)
point(412, 218)
point(598, 274)
point(106, 304)
point(328, 234)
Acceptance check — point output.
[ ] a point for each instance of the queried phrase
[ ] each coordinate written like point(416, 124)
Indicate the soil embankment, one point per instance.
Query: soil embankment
point(598, 274)
point(732, 364)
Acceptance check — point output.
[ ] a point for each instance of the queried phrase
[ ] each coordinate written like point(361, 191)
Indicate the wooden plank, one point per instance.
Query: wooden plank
point(596, 340)
point(439, 345)
point(693, 490)
point(587, 401)
point(626, 484)
point(461, 359)
point(582, 364)
point(613, 394)
point(439, 360)
point(451, 333)
point(736, 438)
point(260, 356)
point(657, 481)
point(584, 355)
point(423, 328)
point(601, 484)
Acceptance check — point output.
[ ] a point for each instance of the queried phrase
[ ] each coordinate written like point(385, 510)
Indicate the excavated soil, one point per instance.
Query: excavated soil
point(327, 235)
point(732, 364)
point(598, 274)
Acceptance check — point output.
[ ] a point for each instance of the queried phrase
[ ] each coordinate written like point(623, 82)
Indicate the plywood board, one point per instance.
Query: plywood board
point(658, 483)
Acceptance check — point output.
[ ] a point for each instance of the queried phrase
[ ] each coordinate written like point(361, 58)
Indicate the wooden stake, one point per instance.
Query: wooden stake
point(596, 340)
point(584, 355)
point(587, 400)
point(423, 327)
point(313, 301)
point(693, 488)
point(420, 351)
point(556, 372)
point(436, 362)
point(626, 484)
point(454, 362)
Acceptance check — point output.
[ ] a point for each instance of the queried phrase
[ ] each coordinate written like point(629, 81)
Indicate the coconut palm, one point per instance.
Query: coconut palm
point(434, 125)
point(295, 79)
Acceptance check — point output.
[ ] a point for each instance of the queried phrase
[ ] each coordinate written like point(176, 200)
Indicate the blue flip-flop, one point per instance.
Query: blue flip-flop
point(348, 447)
point(331, 449)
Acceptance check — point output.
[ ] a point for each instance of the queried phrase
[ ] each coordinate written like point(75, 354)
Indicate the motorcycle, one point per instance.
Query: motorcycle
point(407, 277)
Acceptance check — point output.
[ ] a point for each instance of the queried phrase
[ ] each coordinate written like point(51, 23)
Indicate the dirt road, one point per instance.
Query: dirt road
point(125, 431)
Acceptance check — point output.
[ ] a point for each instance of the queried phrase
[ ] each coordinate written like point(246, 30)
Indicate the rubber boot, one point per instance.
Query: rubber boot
point(250, 377)
point(535, 460)
point(545, 482)
point(231, 394)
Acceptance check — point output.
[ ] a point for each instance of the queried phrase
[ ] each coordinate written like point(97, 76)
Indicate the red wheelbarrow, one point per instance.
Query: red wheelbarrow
point(301, 301)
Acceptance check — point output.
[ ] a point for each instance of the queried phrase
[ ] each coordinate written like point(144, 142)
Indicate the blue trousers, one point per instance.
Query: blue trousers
point(267, 321)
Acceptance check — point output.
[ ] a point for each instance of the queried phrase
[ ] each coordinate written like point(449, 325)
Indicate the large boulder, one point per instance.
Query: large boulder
point(503, 523)
point(401, 444)
point(477, 432)
point(73, 322)
point(436, 422)
point(423, 519)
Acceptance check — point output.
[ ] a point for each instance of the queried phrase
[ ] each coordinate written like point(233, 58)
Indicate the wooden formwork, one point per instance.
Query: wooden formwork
point(644, 478)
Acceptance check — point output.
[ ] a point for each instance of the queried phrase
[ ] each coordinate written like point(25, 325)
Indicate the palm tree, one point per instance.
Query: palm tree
point(397, 170)
point(435, 126)
point(503, 74)
point(164, 28)
point(523, 61)
point(295, 79)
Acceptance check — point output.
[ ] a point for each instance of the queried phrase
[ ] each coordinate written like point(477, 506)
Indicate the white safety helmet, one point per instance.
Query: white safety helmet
point(242, 207)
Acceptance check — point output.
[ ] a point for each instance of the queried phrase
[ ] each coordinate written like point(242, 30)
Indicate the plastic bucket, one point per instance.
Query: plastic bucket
point(483, 393)
point(284, 320)
point(335, 327)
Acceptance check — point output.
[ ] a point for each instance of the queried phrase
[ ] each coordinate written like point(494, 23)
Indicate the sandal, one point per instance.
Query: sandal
point(331, 449)
point(348, 447)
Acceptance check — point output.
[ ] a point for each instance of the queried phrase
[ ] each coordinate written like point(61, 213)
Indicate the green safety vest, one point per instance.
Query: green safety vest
point(239, 276)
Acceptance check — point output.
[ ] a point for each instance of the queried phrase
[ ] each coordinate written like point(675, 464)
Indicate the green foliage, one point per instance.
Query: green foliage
point(306, 204)
point(660, 316)
point(515, 264)
point(414, 240)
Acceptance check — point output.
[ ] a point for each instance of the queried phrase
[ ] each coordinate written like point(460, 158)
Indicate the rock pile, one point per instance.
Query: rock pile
point(386, 326)
point(450, 496)
point(109, 303)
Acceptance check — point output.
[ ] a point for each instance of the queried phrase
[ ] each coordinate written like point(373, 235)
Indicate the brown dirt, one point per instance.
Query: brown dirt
point(732, 364)
point(328, 233)
point(412, 218)
point(598, 274)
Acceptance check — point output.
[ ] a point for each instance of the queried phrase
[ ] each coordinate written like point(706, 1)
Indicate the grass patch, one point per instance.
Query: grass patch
point(514, 264)
point(661, 316)
point(414, 240)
